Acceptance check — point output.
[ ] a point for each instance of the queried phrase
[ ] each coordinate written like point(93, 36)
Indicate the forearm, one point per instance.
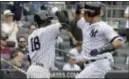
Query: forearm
point(126, 16)
point(81, 58)
point(106, 49)
point(70, 35)
point(115, 45)
point(118, 43)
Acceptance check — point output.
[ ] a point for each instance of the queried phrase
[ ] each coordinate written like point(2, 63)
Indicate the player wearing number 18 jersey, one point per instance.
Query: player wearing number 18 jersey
point(41, 46)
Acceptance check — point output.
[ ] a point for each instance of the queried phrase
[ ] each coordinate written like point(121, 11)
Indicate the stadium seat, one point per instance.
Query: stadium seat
point(26, 24)
point(59, 64)
point(4, 74)
point(122, 23)
point(120, 66)
point(66, 44)
point(127, 60)
point(119, 59)
point(67, 49)
point(30, 18)
point(64, 32)
point(120, 63)
point(64, 37)
point(23, 31)
point(123, 52)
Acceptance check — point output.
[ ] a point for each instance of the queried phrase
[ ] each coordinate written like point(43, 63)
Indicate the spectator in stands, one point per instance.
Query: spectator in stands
point(16, 8)
point(10, 6)
point(36, 6)
point(32, 27)
point(17, 59)
point(22, 44)
point(4, 50)
point(9, 27)
point(76, 51)
point(32, 7)
point(75, 33)
point(70, 66)
point(26, 10)
point(126, 15)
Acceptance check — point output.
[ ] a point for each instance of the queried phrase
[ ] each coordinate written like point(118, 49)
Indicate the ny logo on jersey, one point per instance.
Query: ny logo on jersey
point(93, 32)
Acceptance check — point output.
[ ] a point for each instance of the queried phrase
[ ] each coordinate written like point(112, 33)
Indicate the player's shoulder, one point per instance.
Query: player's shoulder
point(81, 20)
point(104, 25)
point(54, 24)
point(34, 32)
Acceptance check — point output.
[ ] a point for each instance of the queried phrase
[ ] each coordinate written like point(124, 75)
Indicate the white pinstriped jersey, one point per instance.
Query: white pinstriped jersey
point(96, 35)
point(127, 12)
point(41, 44)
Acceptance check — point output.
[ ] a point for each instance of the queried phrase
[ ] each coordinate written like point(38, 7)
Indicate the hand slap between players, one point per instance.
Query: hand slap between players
point(76, 59)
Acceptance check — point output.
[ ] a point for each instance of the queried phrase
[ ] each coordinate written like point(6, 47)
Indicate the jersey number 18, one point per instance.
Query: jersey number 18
point(35, 44)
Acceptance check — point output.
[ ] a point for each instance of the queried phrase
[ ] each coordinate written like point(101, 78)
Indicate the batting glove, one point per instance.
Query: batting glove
point(94, 52)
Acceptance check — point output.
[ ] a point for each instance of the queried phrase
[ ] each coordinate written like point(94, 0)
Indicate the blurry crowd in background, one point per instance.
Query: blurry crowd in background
point(17, 23)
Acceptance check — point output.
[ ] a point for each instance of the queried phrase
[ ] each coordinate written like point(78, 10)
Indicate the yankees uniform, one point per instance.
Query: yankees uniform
point(41, 45)
point(96, 35)
point(127, 12)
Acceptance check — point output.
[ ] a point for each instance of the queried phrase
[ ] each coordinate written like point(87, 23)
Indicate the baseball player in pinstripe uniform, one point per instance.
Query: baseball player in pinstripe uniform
point(99, 40)
point(41, 45)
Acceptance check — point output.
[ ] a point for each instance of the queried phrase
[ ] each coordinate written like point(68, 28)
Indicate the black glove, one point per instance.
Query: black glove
point(63, 18)
point(94, 52)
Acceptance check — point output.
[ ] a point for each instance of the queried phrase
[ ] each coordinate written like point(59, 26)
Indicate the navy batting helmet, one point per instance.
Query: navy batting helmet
point(92, 8)
point(43, 16)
